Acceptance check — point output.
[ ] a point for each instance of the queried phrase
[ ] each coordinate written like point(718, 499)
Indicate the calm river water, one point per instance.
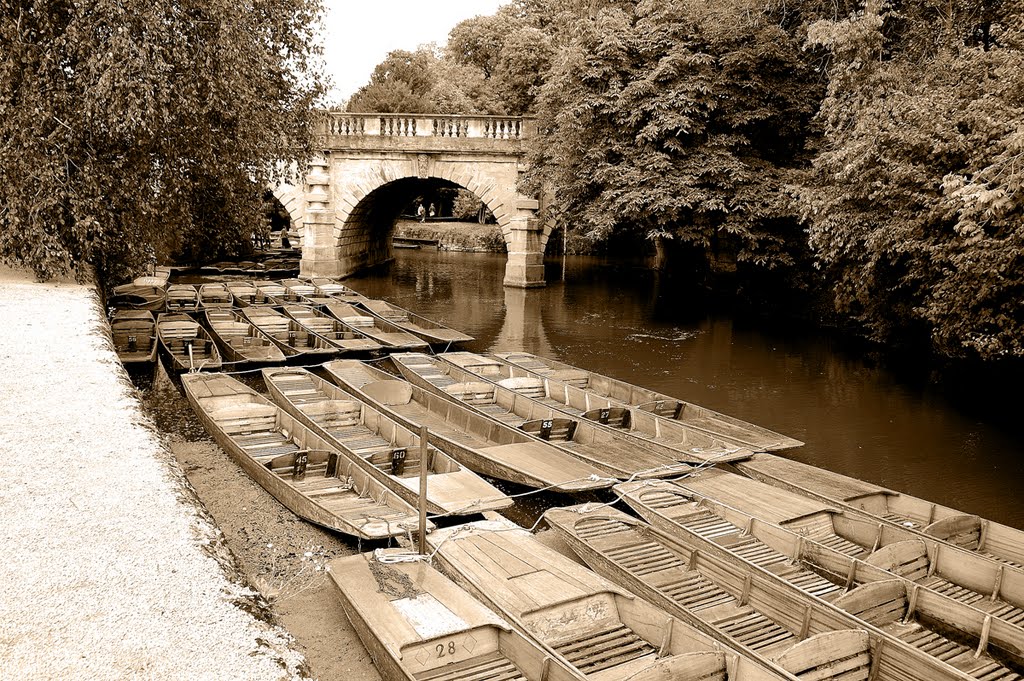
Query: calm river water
point(856, 415)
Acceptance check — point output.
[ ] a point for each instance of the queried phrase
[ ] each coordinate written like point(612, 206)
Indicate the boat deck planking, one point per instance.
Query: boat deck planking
point(616, 456)
point(668, 438)
point(385, 333)
point(804, 563)
point(478, 442)
point(344, 337)
point(966, 531)
point(767, 619)
point(603, 631)
point(301, 470)
point(388, 450)
point(738, 431)
point(133, 333)
point(427, 329)
point(189, 345)
point(418, 625)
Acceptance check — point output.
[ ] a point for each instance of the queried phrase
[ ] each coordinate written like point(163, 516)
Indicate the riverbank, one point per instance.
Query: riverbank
point(452, 236)
point(112, 568)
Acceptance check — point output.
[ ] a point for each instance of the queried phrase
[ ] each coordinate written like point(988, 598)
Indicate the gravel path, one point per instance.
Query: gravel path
point(110, 569)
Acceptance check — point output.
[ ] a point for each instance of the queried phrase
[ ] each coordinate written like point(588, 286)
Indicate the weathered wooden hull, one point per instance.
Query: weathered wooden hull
point(240, 342)
point(246, 294)
point(484, 445)
point(133, 333)
point(214, 296)
point(576, 615)
point(788, 628)
point(434, 333)
point(434, 629)
point(388, 335)
point(187, 344)
point(964, 639)
point(968, 576)
point(670, 438)
point(138, 297)
point(616, 456)
point(451, 488)
point(389, 515)
point(966, 531)
point(345, 338)
point(724, 426)
point(182, 298)
point(295, 341)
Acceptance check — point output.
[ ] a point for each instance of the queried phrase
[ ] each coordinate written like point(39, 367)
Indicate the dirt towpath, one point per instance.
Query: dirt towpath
point(111, 569)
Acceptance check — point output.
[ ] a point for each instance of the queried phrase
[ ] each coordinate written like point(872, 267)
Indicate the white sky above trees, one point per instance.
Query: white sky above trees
point(358, 35)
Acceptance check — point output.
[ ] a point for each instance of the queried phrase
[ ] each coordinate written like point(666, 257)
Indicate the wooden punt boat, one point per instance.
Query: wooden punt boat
point(388, 451)
point(246, 294)
point(418, 625)
point(427, 329)
point(344, 337)
point(187, 343)
point(599, 629)
point(967, 531)
point(387, 334)
point(182, 298)
point(214, 296)
point(297, 288)
point(138, 297)
point(239, 340)
point(484, 445)
point(329, 288)
point(276, 292)
point(767, 618)
point(604, 448)
point(294, 339)
point(947, 629)
point(134, 336)
point(670, 438)
point(721, 425)
point(301, 470)
point(987, 582)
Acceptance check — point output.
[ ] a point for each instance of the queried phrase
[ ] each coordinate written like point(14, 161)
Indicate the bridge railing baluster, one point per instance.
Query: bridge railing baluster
point(347, 125)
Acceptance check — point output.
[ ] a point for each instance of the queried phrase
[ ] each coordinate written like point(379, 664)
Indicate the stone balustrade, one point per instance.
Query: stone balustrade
point(348, 129)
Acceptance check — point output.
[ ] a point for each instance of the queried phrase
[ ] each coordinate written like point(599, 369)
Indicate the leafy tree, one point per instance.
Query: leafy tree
point(523, 63)
point(399, 84)
point(679, 121)
point(478, 41)
point(915, 205)
point(132, 126)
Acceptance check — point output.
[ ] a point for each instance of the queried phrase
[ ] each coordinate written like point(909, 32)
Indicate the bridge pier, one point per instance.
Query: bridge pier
point(319, 248)
point(525, 242)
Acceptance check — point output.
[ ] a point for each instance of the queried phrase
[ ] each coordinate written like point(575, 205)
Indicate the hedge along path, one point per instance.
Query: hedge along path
point(112, 569)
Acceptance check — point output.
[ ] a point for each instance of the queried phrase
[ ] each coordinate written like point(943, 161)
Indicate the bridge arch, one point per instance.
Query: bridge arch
point(294, 201)
point(374, 166)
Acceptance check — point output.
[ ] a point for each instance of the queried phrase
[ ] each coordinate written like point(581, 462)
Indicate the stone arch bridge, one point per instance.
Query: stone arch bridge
point(374, 165)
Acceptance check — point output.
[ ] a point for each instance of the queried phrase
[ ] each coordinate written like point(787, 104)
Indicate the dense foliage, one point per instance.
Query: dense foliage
point(680, 120)
point(132, 127)
point(881, 141)
point(915, 205)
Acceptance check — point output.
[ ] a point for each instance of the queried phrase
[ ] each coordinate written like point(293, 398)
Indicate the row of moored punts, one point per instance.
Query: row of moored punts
point(707, 556)
point(268, 322)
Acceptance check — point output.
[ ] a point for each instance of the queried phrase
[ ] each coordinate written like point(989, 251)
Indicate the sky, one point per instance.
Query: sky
point(358, 34)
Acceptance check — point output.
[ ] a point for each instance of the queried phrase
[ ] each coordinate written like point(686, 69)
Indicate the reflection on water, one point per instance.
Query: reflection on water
point(856, 417)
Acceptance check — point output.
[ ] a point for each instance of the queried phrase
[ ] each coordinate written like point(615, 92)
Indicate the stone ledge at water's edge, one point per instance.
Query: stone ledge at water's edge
point(450, 236)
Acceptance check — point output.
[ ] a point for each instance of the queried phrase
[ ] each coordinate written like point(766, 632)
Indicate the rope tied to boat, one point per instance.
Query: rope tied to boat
point(390, 581)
